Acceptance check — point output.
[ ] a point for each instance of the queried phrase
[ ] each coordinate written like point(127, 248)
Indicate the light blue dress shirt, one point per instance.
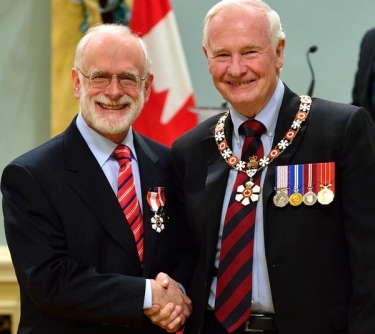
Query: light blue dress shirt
point(102, 148)
point(261, 291)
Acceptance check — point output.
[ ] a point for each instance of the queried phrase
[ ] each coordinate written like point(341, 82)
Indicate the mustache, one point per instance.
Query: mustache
point(107, 101)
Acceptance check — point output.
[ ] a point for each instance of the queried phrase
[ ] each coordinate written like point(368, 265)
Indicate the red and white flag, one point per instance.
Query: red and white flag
point(166, 115)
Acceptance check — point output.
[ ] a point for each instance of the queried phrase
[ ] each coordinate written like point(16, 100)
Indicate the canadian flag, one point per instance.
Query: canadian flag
point(166, 115)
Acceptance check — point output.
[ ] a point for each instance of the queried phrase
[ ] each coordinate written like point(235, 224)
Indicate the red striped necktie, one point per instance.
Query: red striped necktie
point(127, 196)
point(234, 284)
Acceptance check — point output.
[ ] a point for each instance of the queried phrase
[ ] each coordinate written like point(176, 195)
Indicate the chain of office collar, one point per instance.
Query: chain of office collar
point(253, 166)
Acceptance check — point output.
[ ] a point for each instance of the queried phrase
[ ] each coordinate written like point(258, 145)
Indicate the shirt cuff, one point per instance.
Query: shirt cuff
point(147, 302)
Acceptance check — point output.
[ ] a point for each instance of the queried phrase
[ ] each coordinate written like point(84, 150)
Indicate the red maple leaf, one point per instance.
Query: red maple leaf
point(148, 123)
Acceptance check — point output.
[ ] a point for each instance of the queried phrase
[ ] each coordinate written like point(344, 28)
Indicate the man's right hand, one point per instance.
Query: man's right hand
point(171, 307)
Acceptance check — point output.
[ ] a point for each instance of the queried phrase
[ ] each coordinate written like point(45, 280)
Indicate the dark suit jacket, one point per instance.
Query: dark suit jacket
point(73, 251)
point(362, 90)
point(320, 258)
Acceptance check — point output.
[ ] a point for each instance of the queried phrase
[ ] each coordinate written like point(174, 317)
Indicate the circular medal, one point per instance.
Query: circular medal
point(310, 198)
point(295, 199)
point(280, 199)
point(325, 196)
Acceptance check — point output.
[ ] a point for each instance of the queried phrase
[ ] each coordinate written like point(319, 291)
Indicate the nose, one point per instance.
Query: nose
point(236, 66)
point(114, 89)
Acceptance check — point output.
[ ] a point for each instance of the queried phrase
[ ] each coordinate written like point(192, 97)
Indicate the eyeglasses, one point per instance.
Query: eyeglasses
point(101, 79)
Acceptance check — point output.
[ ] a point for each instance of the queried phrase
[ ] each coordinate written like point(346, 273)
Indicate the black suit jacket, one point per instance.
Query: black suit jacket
point(73, 250)
point(320, 258)
point(362, 90)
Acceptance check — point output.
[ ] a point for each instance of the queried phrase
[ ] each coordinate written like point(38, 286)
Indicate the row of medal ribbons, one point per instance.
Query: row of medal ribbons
point(306, 183)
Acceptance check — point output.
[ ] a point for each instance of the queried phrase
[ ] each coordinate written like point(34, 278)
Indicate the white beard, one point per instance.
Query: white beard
point(111, 122)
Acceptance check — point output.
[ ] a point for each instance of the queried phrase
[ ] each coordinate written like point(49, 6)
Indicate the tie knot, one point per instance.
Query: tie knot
point(252, 128)
point(122, 154)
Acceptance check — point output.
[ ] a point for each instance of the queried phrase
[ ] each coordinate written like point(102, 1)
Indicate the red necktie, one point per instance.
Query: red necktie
point(127, 196)
point(234, 284)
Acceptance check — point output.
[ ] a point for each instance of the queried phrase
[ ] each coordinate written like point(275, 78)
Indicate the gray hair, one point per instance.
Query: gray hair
point(102, 31)
point(276, 30)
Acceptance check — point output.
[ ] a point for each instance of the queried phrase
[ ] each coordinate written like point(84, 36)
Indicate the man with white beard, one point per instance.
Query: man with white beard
point(90, 217)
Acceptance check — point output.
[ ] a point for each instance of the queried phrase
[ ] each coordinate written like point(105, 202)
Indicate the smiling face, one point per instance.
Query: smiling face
point(244, 65)
point(112, 109)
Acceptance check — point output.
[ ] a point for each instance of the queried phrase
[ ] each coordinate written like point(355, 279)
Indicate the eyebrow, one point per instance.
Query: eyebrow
point(105, 72)
point(243, 47)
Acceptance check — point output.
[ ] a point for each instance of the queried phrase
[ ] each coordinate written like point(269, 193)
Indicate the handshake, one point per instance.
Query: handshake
point(171, 307)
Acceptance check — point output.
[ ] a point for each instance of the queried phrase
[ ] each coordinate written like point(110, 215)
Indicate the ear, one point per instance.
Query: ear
point(76, 83)
point(280, 54)
point(205, 51)
point(148, 85)
point(208, 59)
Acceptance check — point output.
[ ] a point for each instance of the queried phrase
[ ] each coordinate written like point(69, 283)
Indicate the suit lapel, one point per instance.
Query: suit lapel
point(151, 176)
point(216, 183)
point(287, 113)
point(91, 184)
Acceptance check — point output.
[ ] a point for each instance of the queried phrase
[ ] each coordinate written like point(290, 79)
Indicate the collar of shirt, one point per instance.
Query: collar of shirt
point(101, 147)
point(268, 115)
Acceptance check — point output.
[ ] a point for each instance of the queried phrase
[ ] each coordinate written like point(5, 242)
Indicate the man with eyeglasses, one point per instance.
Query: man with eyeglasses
point(90, 216)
